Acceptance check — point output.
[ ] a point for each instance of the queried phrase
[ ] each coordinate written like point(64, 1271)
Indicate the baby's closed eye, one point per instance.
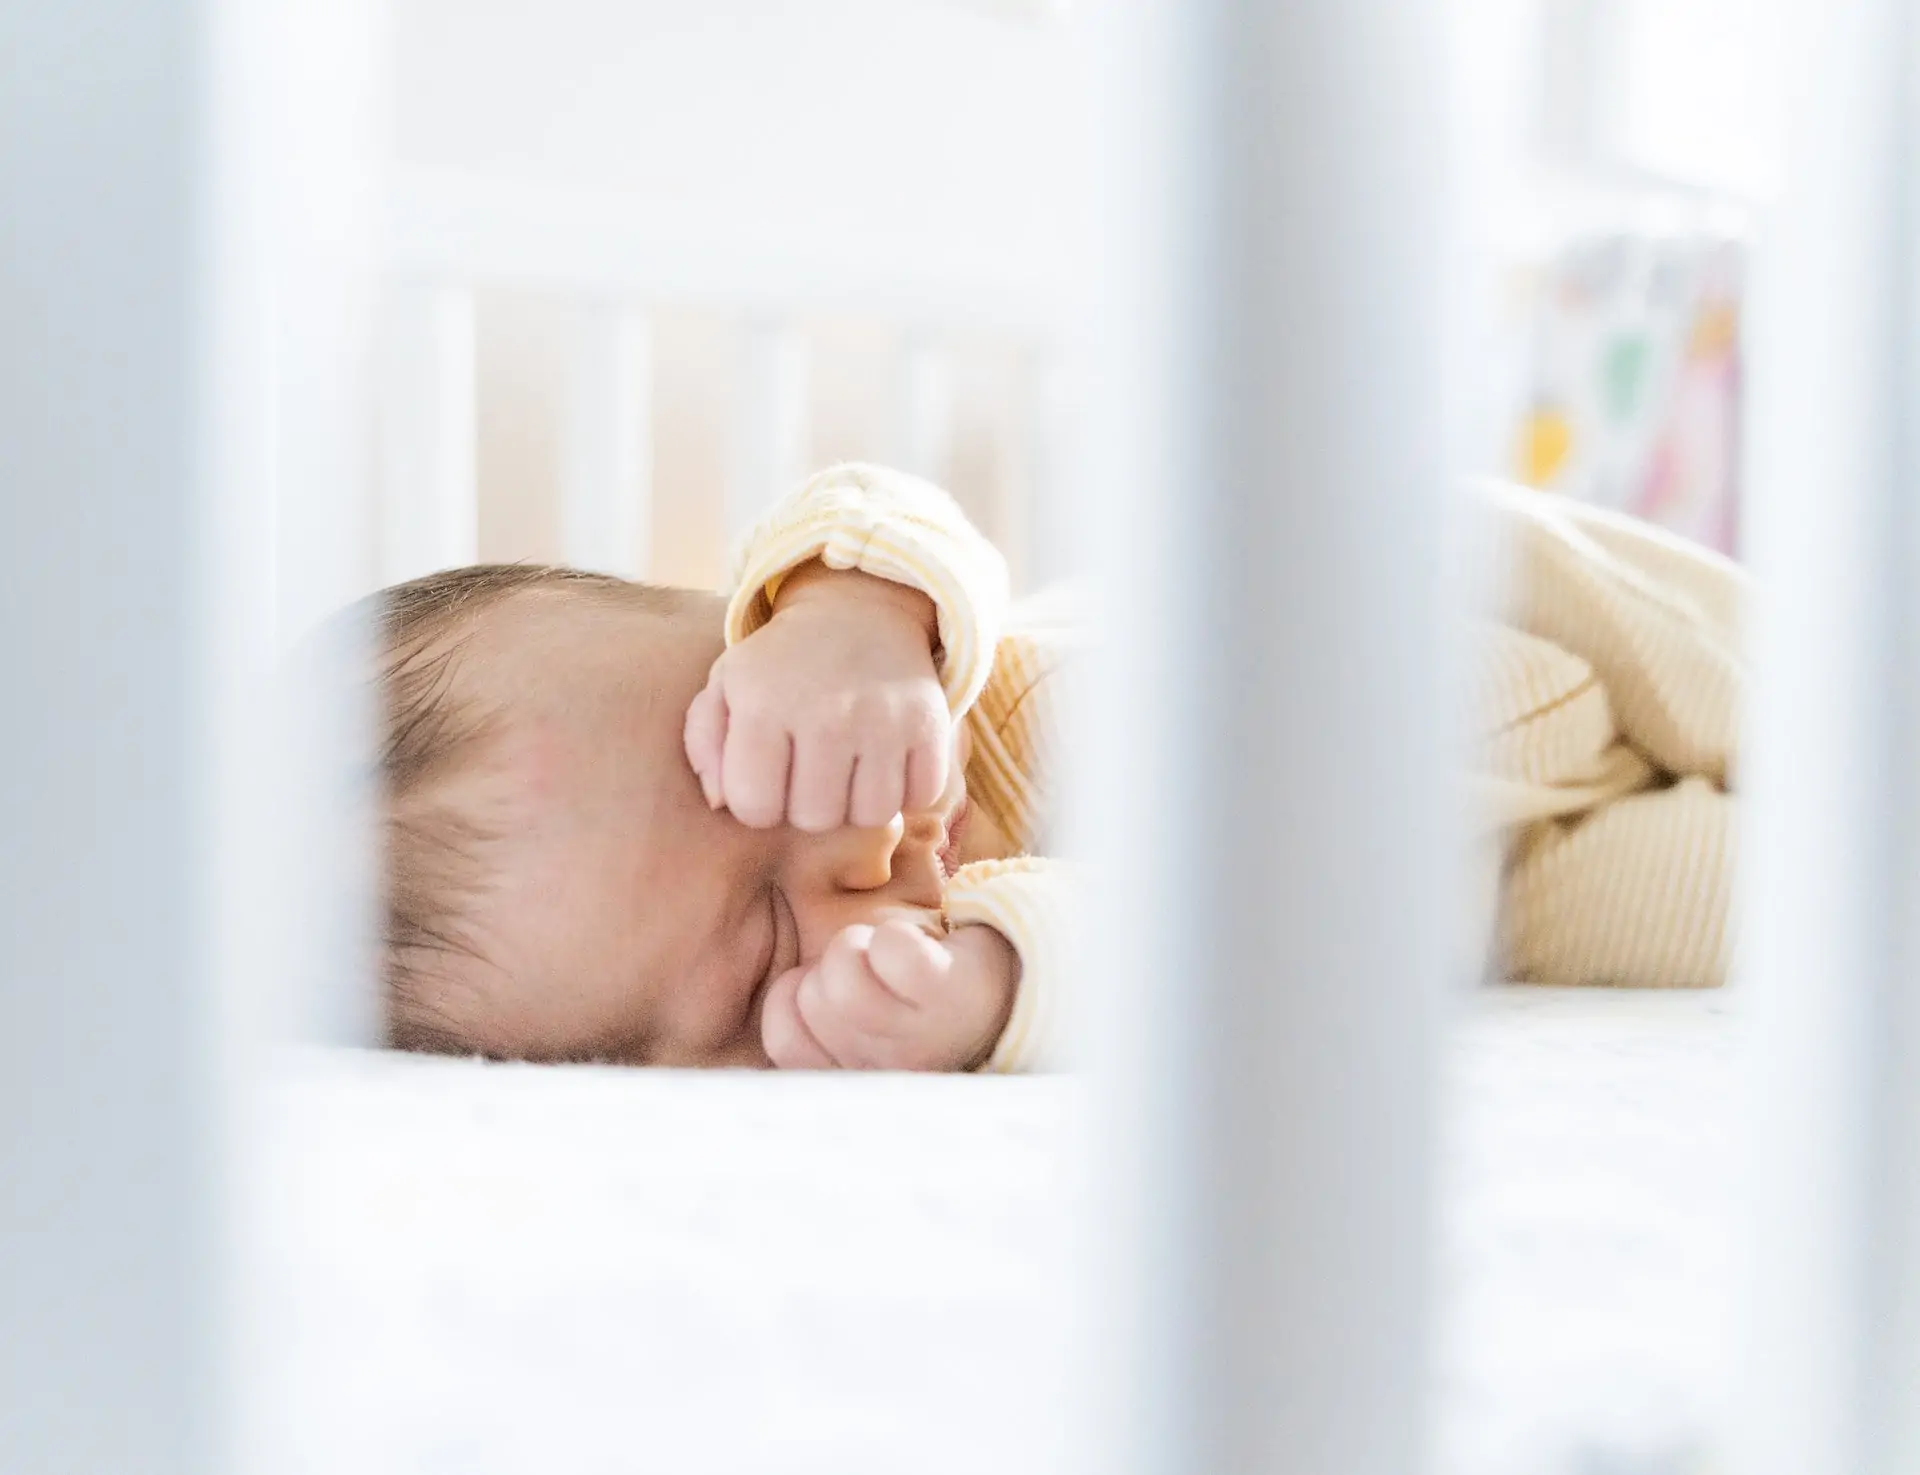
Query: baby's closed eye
point(782, 951)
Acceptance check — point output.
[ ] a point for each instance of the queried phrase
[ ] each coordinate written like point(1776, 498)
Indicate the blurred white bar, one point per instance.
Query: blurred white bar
point(924, 383)
point(133, 526)
point(429, 489)
point(326, 539)
point(1266, 268)
point(1049, 540)
point(327, 86)
point(1830, 1332)
point(773, 431)
point(606, 491)
point(1581, 80)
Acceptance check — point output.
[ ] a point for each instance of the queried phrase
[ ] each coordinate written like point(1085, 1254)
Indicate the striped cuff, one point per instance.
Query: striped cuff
point(1028, 901)
point(895, 527)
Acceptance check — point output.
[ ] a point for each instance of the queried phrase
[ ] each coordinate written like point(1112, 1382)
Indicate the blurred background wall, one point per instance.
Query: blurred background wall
point(1608, 156)
point(932, 131)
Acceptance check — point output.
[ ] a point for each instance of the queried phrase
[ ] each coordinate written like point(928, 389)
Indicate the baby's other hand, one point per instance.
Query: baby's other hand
point(892, 997)
point(831, 713)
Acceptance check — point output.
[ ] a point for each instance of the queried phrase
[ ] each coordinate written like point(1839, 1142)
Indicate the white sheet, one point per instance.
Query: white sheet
point(484, 1269)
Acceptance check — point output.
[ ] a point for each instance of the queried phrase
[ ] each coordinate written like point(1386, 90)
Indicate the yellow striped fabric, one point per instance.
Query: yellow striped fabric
point(1604, 690)
point(1015, 732)
point(1607, 703)
point(1653, 616)
point(896, 527)
point(1026, 899)
point(1637, 893)
point(1547, 740)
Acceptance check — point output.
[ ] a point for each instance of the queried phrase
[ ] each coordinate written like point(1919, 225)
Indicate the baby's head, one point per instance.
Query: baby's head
point(555, 885)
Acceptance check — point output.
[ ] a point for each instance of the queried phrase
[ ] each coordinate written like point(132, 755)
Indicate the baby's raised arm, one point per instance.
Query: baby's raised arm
point(865, 628)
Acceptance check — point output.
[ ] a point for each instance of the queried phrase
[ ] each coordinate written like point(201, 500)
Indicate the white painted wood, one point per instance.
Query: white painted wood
point(442, 227)
point(606, 489)
point(429, 491)
point(1030, 12)
point(323, 203)
point(1580, 78)
point(773, 430)
point(319, 985)
point(1264, 803)
point(1829, 1315)
point(923, 383)
point(134, 531)
point(1052, 544)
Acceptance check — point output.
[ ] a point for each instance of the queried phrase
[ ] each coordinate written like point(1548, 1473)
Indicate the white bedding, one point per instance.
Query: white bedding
point(481, 1269)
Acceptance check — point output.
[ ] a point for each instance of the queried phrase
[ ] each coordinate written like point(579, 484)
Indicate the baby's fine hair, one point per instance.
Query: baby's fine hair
point(432, 855)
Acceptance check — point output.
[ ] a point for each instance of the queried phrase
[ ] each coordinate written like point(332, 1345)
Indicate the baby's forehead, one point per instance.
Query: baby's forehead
point(568, 684)
point(571, 651)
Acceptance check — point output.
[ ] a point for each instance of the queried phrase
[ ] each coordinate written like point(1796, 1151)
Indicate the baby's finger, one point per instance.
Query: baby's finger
point(705, 738)
point(817, 794)
point(753, 771)
point(912, 965)
point(784, 1035)
point(878, 787)
point(926, 770)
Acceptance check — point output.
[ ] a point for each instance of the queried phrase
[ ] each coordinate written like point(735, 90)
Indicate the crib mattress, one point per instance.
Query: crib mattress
point(480, 1269)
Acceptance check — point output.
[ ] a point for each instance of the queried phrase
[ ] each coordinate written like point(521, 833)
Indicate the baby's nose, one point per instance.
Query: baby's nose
point(866, 855)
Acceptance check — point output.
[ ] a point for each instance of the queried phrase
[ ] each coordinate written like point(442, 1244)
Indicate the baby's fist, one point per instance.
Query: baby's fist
point(830, 714)
point(892, 997)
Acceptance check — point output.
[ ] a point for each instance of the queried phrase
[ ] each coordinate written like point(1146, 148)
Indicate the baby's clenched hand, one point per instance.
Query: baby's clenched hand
point(830, 714)
point(892, 997)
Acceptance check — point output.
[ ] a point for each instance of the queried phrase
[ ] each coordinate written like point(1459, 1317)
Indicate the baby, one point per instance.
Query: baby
point(799, 827)
point(654, 826)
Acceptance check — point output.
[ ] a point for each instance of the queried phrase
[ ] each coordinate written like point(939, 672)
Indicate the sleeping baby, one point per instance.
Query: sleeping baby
point(794, 828)
point(804, 826)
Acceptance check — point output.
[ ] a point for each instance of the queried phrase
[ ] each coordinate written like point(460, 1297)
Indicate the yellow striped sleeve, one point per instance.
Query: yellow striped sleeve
point(895, 527)
point(1026, 900)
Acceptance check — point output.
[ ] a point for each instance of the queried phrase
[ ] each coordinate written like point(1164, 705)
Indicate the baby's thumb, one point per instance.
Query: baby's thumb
point(909, 962)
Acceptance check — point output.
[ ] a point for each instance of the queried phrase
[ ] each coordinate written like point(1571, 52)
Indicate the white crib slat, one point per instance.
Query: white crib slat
point(134, 396)
point(430, 513)
point(773, 431)
point(1047, 532)
point(924, 385)
point(1829, 1303)
point(1271, 872)
point(606, 493)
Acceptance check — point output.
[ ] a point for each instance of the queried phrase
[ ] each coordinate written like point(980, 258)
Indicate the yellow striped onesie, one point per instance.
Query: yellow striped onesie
point(1603, 709)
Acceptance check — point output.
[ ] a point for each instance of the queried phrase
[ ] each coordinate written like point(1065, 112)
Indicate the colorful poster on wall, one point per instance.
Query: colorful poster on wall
point(1632, 377)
